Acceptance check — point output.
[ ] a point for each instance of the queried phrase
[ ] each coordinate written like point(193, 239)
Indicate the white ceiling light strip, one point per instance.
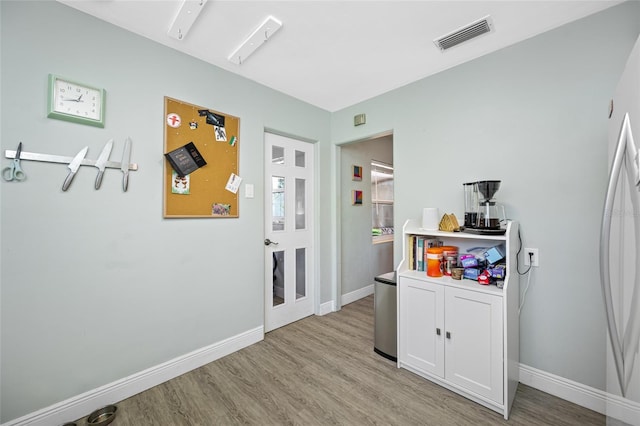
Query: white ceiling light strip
point(260, 36)
point(187, 14)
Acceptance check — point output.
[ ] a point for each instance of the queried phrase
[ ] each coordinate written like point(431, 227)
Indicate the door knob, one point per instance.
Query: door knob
point(269, 242)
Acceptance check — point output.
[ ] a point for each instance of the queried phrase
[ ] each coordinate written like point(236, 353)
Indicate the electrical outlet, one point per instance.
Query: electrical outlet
point(531, 257)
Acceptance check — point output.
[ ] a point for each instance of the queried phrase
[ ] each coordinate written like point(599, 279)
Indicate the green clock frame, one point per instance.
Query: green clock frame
point(91, 115)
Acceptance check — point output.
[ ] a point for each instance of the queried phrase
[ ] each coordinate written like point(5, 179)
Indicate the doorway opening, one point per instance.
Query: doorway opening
point(364, 256)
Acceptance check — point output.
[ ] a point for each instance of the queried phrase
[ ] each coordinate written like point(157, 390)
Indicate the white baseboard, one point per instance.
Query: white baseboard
point(83, 404)
point(327, 308)
point(356, 295)
point(79, 406)
point(594, 399)
point(345, 299)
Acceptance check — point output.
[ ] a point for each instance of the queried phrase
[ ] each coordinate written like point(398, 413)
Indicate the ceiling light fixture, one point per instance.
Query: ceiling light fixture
point(257, 38)
point(187, 14)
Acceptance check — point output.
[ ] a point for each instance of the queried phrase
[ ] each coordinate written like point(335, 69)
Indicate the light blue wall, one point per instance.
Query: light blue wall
point(84, 267)
point(535, 116)
point(96, 285)
point(361, 261)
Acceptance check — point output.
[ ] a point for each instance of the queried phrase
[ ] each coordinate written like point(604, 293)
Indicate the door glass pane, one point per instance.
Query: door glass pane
point(277, 203)
point(278, 277)
point(300, 203)
point(301, 273)
point(277, 154)
point(299, 158)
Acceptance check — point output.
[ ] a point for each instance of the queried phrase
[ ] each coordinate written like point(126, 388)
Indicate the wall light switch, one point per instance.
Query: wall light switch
point(248, 190)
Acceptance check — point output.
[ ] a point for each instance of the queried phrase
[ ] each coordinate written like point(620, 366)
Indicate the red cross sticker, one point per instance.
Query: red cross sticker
point(173, 120)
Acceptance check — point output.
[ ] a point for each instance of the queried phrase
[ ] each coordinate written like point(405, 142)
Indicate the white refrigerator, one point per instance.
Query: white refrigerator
point(620, 249)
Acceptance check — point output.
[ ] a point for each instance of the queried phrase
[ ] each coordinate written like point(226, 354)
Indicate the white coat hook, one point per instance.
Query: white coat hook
point(257, 38)
point(185, 17)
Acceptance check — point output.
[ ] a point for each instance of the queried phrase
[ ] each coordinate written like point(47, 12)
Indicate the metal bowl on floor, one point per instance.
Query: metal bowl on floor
point(102, 416)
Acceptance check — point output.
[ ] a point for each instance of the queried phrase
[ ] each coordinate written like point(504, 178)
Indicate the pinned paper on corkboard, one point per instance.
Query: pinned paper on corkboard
point(215, 137)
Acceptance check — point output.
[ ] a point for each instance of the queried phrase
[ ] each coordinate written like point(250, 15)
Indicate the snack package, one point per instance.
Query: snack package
point(468, 261)
point(471, 273)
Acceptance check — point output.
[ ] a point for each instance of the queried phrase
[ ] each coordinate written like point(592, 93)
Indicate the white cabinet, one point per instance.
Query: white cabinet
point(421, 343)
point(458, 333)
point(473, 342)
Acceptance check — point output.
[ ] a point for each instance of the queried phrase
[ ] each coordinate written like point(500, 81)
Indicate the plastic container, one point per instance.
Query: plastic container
point(434, 261)
point(449, 263)
point(449, 250)
point(449, 258)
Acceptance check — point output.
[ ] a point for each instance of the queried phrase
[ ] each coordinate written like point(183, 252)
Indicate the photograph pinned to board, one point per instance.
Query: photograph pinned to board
point(356, 197)
point(205, 128)
point(220, 209)
point(233, 184)
point(217, 121)
point(221, 134)
point(180, 184)
point(357, 173)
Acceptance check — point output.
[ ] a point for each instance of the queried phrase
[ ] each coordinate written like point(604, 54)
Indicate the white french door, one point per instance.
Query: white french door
point(289, 258)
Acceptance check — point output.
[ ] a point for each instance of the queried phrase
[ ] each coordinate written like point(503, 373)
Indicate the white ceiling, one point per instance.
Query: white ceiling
point(333, 54)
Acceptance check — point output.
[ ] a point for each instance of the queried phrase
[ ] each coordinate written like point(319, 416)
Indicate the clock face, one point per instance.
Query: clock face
point(75, 102)
point(74, 99)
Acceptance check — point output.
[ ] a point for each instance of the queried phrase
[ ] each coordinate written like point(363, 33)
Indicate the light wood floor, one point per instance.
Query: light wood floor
point(323, 371)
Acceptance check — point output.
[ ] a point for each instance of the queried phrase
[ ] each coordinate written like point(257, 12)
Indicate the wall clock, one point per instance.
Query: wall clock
point(75, 102)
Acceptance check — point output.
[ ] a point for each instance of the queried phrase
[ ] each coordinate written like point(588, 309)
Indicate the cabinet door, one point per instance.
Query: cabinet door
point(421, 326)
point(473, 342)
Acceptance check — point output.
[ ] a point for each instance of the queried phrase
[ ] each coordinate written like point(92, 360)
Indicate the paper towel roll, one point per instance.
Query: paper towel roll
point(430, 218)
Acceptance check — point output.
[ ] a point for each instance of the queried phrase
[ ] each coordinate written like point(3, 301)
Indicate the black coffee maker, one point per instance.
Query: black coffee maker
point(483, 215)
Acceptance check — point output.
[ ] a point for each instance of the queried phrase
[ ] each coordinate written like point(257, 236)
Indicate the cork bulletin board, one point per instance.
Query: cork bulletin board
point(206, 143)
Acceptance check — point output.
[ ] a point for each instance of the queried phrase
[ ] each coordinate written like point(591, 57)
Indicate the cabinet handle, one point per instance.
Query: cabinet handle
point(448, 335)
point(438, 331)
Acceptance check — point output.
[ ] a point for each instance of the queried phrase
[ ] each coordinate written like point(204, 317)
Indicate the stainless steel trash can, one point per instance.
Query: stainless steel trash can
point(385, 320)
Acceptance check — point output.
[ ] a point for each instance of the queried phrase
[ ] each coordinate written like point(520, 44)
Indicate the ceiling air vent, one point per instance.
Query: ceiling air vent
point(473, 30)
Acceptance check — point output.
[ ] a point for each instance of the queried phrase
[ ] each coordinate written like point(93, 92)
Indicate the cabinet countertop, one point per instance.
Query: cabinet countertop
point(450, 282)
